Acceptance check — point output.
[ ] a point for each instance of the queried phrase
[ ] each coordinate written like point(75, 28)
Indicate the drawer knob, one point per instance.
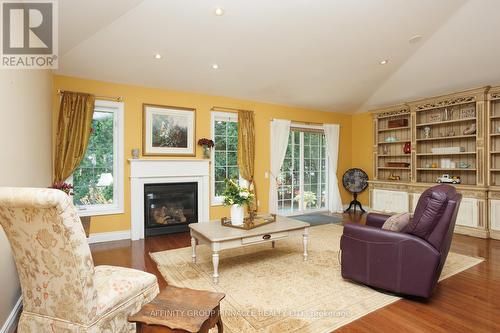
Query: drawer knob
point(266, 237)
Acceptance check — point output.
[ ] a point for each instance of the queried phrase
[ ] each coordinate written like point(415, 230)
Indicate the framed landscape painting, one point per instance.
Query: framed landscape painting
point(168, 130)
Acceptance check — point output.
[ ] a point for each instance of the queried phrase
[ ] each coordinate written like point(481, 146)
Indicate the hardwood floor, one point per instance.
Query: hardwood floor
point(466, 302)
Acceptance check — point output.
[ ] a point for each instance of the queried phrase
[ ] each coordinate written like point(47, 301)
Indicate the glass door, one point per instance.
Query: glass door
point(303, 178)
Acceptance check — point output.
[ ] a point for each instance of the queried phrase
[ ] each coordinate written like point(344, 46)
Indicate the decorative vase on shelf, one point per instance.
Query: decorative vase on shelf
point(407, 148)
point(206, 151)
point(237, 214)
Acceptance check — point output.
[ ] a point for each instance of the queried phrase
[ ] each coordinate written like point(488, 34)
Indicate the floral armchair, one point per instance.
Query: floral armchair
point(62, 290)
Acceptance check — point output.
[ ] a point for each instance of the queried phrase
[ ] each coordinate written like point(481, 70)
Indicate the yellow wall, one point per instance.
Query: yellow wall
point(362, 143)
point(135, 96)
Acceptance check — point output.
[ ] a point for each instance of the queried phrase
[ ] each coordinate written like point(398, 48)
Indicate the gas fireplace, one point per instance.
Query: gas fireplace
point(169, 208)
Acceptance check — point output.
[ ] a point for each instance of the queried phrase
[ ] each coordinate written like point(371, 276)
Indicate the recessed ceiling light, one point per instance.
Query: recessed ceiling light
point(383, 62)
point(215, 66)
point(219, 11)
point(415, 39)
point(158, 56)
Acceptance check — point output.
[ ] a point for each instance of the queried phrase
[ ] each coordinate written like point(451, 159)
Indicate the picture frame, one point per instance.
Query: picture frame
point(436, 117)
point(168, 130)
point(467, 112)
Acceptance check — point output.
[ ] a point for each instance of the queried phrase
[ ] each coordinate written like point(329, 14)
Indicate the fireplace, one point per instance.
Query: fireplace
point(169, 207)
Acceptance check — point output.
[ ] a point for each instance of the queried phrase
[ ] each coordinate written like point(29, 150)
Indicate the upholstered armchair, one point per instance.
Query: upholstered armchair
point(407, 262)
point(62, 290)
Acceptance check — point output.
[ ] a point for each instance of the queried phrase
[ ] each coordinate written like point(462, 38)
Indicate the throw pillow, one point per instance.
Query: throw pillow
point(397, 222)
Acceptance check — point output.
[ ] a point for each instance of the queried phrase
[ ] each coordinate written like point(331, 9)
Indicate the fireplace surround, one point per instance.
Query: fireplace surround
point(172, 171)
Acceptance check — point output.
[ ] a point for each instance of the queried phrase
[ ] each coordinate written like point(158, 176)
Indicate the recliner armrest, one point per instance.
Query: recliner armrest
point(376, 219)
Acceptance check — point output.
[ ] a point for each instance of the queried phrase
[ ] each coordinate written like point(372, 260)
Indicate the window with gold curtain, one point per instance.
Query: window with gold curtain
point(73, 132)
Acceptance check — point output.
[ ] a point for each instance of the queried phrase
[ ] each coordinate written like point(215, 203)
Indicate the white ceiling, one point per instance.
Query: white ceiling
point(320, 54)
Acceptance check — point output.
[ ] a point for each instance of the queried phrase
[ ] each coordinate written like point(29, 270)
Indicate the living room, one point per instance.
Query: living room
point(308, 166)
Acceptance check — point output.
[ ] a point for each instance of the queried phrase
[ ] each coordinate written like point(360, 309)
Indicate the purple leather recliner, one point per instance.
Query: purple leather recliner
point(407, 262)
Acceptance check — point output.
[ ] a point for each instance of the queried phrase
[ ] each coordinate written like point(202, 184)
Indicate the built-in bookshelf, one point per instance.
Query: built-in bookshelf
point(494, 138)
point(453, 136)
point(446, 135)
point(392, 134)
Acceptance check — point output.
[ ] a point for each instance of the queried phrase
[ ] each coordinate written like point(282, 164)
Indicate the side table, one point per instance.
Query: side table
point(180, 310)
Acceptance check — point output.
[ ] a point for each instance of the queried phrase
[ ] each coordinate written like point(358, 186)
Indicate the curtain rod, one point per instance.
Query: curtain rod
point(111, 98)
point(214, 108)
point(300, 122)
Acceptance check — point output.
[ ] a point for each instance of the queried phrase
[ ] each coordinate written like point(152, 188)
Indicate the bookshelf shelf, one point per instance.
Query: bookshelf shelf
point(447, 122)
point(394, 129)
point(453, 137)
point(447, 154)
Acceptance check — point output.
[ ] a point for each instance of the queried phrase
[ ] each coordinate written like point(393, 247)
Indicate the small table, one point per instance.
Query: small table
point(180, 310)
point(222, 238)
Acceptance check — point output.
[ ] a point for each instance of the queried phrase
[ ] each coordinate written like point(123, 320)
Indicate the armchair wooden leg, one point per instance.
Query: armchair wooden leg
point(220, 326)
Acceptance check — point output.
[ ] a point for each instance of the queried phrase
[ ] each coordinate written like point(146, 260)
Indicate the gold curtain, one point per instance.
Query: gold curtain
point(246, 150)
point(73, 132)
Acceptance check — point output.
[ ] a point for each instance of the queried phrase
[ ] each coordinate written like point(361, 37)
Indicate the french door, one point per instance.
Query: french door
point(302, 183)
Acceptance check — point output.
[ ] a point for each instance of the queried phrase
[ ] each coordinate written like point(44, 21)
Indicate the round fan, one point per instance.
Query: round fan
point(355, 181)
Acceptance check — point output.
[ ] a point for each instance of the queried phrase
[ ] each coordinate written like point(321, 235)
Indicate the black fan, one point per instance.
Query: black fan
point(355, 181)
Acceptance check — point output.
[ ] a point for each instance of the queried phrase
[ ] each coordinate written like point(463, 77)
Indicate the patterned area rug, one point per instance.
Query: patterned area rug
point(273, 290)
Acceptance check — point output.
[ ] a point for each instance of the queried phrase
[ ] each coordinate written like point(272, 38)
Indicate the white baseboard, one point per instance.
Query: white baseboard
point(10, 324)
point(108, 236)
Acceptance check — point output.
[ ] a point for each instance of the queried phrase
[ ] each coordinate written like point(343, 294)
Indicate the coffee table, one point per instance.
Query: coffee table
point(222, 238)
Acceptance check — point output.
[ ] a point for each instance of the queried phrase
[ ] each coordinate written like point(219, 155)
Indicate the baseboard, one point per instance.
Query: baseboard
point(108, 236)
point(10, 324)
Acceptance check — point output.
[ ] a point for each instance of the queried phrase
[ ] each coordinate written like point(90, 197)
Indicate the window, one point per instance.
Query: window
point(225, 152)
point(303, 176)
point(98, 180)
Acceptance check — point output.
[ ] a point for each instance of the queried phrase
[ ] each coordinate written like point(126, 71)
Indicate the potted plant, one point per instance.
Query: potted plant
point(206, 144)
point(68, 189)
point(237, 197)
point(65, 187)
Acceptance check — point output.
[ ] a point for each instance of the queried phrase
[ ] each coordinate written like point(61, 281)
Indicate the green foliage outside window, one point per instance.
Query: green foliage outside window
point(93, 179)
point(225, 154)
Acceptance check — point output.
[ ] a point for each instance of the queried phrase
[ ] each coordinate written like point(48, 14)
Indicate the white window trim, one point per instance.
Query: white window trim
point(217, 115)
point(118, 163)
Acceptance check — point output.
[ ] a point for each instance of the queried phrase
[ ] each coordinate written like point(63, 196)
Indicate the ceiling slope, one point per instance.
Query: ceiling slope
point(321, 54)
point(463, 54)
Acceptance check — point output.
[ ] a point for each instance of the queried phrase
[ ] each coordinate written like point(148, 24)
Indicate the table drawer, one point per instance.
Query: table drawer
point(264, 238)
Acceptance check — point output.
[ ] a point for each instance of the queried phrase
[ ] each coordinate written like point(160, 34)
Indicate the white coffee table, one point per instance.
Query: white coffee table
point(222, 238)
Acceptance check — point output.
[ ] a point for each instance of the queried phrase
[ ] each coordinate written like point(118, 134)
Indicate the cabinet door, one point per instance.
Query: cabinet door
point(495, 214)
point(416, 197)
point(468, 213)
point(390, 201)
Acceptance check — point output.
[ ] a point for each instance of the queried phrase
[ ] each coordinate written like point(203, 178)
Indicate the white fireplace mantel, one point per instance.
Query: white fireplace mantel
point(149, 171)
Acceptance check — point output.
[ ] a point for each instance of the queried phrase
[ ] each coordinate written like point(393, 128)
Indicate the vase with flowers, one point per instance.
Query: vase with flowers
point(207, 145)
point(237, 197)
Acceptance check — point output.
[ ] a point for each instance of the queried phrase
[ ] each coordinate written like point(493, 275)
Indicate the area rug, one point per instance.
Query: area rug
point(274, 290)
point(318, 218)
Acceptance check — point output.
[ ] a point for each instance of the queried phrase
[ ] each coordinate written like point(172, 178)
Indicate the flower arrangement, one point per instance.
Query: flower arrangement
point(65, 187)
point(309, 198)
point(236, 195)
point(206, 142)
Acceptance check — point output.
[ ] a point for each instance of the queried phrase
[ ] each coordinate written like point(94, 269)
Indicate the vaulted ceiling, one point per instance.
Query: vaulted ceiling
point(319, 54)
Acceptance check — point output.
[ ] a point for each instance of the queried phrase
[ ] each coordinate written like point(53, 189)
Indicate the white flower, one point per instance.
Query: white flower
point(244, 194)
